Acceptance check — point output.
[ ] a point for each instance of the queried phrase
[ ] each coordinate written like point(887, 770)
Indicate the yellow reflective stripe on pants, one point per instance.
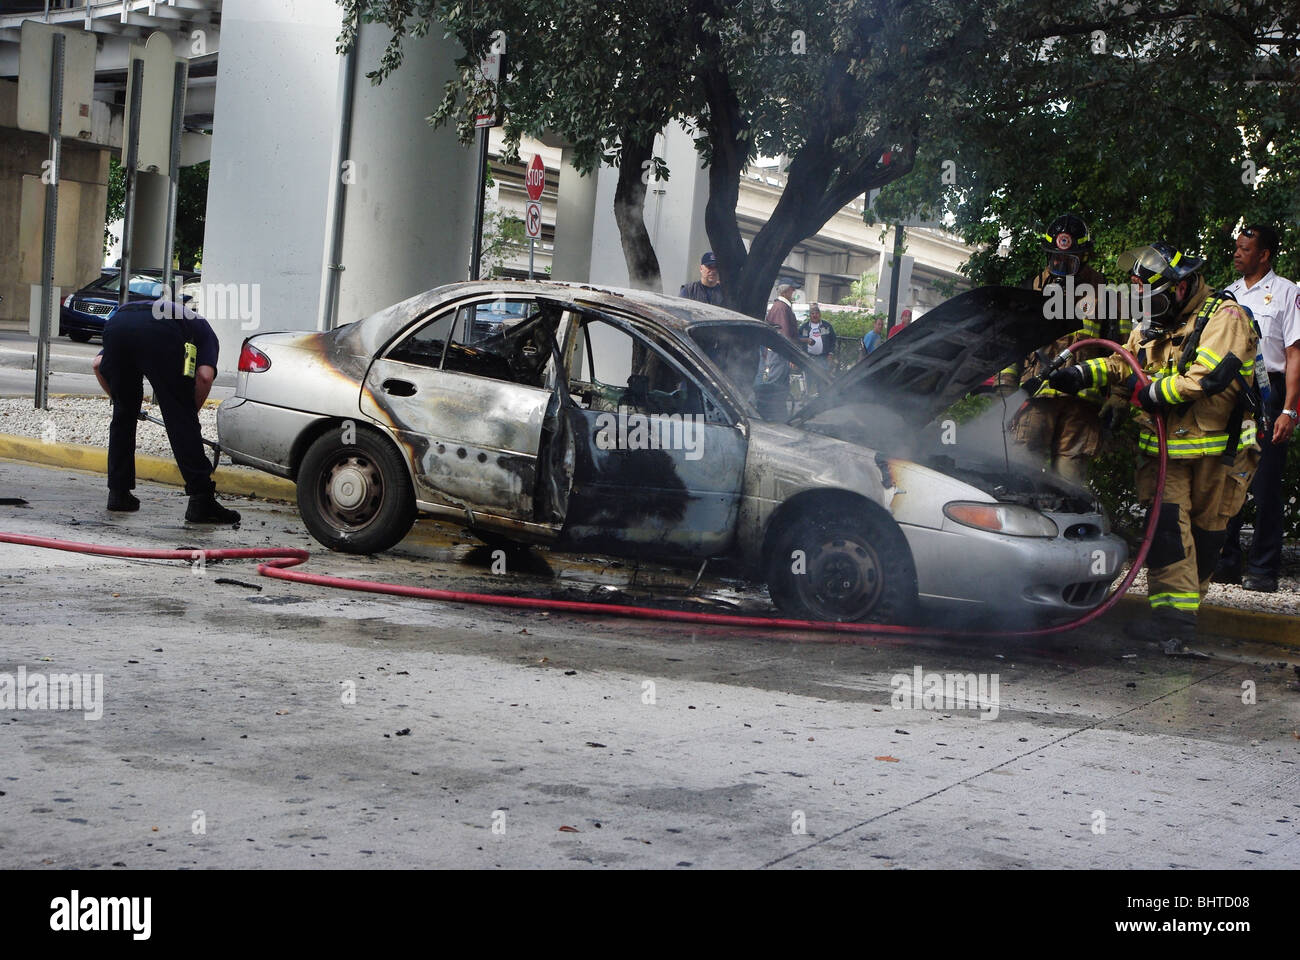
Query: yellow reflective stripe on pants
point(1179, 601)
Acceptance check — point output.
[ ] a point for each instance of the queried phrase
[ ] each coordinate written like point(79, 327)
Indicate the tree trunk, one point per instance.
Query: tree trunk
point(629, 213)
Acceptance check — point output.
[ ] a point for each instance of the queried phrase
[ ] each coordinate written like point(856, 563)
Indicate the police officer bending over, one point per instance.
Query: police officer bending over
point(1198, 347)
point(177, 350)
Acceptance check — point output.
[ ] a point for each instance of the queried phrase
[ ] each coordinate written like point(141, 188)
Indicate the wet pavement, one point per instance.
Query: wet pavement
point(252, 722)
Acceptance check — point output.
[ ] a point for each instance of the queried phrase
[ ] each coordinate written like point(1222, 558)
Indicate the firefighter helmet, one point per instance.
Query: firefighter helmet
point(1160, 267)
point(1065, 240)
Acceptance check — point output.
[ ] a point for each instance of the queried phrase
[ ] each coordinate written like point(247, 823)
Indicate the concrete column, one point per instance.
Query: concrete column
point(409, 205)
point(812, 284)
point(150, 224)
point(409, 218)
point(575, 216)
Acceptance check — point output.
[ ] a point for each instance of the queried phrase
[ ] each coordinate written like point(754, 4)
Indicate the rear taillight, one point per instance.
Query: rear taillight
point(253, 360)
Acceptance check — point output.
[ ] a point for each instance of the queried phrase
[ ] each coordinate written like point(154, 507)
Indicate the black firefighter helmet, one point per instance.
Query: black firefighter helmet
point(1066, 239)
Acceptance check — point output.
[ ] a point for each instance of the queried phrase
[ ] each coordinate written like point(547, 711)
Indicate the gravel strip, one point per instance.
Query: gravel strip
point(85, 420)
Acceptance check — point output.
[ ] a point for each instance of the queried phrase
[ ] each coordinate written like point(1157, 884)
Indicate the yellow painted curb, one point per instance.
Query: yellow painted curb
point(75, 456)
point(1277, 628)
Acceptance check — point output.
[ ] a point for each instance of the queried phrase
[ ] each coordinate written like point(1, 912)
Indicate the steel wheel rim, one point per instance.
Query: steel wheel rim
point(845, 579)
point(352, 491)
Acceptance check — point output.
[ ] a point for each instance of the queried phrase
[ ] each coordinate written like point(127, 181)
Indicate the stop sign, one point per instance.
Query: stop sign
point(535, 179)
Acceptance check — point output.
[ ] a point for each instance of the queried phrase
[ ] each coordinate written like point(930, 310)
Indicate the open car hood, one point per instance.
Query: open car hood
point(935, 361)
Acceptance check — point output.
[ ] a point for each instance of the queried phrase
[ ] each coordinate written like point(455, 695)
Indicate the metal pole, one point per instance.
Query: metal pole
point(174, 173)
point(332, 278)
point(130, 153)
point(531, 244)
point(477, 248)
point(42, 393)
point(896, 270)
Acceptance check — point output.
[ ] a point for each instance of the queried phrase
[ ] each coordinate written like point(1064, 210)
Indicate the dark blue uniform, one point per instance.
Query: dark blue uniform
point(137, 344)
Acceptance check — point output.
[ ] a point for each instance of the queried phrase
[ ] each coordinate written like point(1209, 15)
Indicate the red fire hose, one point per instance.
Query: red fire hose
point(278, 560)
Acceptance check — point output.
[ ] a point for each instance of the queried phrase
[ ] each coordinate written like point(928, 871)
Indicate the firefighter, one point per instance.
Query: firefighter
point(1198, 347)
point(1053, 426)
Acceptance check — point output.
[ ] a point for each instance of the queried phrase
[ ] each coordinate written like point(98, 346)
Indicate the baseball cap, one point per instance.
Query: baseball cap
point(708, 260)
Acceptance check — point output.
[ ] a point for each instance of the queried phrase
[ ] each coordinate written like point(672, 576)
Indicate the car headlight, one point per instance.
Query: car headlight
point(1008, 518)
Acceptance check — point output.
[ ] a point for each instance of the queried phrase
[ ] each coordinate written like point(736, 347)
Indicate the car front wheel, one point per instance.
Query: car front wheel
point(355, 497)
point(840, 567)
point(79, 336)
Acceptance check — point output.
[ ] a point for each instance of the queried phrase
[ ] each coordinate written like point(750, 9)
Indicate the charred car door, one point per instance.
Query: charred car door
point(658, 461)
point(471, 395)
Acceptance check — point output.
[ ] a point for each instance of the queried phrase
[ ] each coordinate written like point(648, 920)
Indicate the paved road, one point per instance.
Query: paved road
point(228, 706)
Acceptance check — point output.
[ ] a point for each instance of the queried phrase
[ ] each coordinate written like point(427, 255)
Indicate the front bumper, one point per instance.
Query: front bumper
point(989, 574)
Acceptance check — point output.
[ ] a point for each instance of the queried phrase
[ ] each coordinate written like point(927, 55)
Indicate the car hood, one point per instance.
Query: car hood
point(932, 363)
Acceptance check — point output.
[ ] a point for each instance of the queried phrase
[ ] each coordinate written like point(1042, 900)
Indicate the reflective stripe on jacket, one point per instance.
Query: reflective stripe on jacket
point(1199, 400)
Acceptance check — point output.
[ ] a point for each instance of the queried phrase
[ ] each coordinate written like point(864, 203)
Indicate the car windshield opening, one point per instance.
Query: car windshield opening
point(763, 367)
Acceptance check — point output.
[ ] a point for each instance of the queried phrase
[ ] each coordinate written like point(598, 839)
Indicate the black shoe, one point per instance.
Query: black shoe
point(1225, 573)
point(122, 501)
point(1259, 584)
point(205, 509)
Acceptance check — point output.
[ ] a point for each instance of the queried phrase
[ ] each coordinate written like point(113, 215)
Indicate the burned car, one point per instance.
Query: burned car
point(637, 424)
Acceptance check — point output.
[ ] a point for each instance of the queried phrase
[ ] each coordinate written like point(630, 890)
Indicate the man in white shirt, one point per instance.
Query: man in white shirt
point(1275, 302)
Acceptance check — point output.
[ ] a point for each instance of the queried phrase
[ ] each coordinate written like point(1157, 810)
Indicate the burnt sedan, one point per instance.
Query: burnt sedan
point(637, 424)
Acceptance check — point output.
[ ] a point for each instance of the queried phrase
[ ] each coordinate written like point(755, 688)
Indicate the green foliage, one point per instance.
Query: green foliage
point(191, 211)
point(115, 209)
point(1004, 113)
point(968, 407)
point(191, 215)
point(502, 235)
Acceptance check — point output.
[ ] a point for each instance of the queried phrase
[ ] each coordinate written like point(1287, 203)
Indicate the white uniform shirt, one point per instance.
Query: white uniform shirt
point(1275, 302)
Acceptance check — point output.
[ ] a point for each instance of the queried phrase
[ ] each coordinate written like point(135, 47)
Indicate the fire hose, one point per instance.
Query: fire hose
point(278, 560)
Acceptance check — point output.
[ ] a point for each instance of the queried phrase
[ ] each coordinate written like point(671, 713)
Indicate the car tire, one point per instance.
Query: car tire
point(79, 336)
point(853, 567)
point(355, 497)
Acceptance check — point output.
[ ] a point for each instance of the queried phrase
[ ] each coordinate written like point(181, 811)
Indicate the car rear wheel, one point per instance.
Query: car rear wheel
point(79, 336)
point(355, 497)
point(839, 567)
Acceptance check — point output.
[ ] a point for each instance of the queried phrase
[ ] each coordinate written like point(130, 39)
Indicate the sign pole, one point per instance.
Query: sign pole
point(130, 153)
point(531, 245)
point(42, 394)
point(896, 270)
point(173, 186)
point(476, 249)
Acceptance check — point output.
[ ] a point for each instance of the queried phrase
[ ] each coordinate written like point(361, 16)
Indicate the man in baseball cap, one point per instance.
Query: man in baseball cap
point(707, 289)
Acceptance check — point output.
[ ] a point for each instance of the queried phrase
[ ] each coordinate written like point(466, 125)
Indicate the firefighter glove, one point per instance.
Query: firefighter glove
point(1068, 379)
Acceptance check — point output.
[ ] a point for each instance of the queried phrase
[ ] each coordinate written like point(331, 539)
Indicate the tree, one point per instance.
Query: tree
point(858, 93)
